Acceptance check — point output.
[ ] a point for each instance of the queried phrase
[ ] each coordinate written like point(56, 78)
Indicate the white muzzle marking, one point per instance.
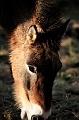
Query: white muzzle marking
point(34, 109)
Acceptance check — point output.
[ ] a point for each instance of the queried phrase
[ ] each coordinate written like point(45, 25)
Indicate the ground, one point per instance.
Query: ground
point(65, 103)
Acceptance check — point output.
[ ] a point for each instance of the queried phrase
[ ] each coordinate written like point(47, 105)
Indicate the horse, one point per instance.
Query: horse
point(34, 29)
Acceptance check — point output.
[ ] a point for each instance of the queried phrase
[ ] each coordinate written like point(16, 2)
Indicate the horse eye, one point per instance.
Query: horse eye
point(32, 69)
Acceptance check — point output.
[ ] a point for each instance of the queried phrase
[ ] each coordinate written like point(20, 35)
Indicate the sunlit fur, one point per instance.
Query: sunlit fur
point(34, 29)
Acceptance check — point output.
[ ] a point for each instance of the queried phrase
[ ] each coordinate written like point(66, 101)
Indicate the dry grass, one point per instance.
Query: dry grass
point(65, 103)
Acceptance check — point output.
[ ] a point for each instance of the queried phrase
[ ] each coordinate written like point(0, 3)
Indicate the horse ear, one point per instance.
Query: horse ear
point(57, 33)
point(32, 34)
point(63, 28)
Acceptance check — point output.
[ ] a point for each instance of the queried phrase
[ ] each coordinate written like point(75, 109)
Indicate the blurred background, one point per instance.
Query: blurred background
point(65, 103)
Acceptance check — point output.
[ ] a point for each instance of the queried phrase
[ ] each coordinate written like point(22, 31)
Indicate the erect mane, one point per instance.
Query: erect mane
point(48, 14)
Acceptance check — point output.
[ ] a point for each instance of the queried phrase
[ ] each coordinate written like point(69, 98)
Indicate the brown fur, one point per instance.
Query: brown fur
point(21, 52)
point(34, 32)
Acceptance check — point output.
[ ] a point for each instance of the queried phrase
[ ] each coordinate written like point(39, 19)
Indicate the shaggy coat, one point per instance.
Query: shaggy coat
point(34, 29)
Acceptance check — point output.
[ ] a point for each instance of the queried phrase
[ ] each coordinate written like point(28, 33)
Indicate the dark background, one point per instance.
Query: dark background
point(65, 103)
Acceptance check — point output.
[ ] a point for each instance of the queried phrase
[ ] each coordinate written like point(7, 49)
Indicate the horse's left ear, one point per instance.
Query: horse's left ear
point(32, 34)
point(63, 28)
point(57, 33)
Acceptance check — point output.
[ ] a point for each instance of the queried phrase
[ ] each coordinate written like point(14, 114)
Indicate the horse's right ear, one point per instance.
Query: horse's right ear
point(32, 34)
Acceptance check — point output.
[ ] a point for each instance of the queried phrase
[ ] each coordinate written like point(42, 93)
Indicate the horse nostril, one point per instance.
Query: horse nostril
point(40, 118)
point(34, 117)
point(37, 117)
